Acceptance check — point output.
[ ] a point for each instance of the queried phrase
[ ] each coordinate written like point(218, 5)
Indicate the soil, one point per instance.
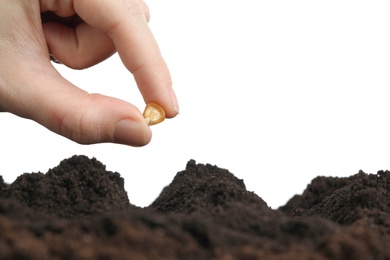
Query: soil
point(79, 210)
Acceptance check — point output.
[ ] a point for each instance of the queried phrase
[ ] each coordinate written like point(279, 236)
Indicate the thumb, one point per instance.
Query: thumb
point(82, 117)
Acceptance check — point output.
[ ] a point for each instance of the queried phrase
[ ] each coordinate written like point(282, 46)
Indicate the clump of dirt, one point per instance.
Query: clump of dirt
point(79, 210)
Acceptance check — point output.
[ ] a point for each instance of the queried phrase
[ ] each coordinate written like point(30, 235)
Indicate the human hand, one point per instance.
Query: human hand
point(80, 33)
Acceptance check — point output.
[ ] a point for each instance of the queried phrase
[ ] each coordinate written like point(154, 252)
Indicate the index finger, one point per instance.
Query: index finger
point(126, 22)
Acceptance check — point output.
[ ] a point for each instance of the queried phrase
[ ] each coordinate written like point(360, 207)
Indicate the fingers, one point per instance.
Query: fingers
point(35, 90)
point(124, 21)
point(77, 48)
point(110, 25)
point(86, 118)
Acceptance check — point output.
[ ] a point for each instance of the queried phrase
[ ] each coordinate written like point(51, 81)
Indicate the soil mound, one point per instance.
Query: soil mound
point(79, 210)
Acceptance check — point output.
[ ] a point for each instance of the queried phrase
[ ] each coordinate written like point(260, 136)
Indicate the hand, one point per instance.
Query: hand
point(80, 33)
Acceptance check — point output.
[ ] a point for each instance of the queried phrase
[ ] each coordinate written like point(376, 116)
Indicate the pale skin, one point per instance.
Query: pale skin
point(31, 87)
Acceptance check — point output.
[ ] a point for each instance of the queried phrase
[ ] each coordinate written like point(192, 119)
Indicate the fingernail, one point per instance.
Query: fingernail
point(132, 133)
point(52, 58)
point(175, 102)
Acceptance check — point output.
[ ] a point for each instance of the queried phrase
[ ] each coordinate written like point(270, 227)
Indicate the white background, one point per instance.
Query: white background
point(277, 92)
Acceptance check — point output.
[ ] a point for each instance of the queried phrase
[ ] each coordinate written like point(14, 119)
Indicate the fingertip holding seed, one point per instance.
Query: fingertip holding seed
point(153, 114)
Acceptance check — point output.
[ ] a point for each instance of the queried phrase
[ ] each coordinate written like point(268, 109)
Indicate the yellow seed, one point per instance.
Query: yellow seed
point(153, 114)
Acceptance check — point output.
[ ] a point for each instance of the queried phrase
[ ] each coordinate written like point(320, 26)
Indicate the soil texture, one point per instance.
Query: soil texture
point(79, 210)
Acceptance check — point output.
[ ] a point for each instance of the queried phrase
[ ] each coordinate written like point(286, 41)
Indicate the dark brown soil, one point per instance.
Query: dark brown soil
point(78, 210)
